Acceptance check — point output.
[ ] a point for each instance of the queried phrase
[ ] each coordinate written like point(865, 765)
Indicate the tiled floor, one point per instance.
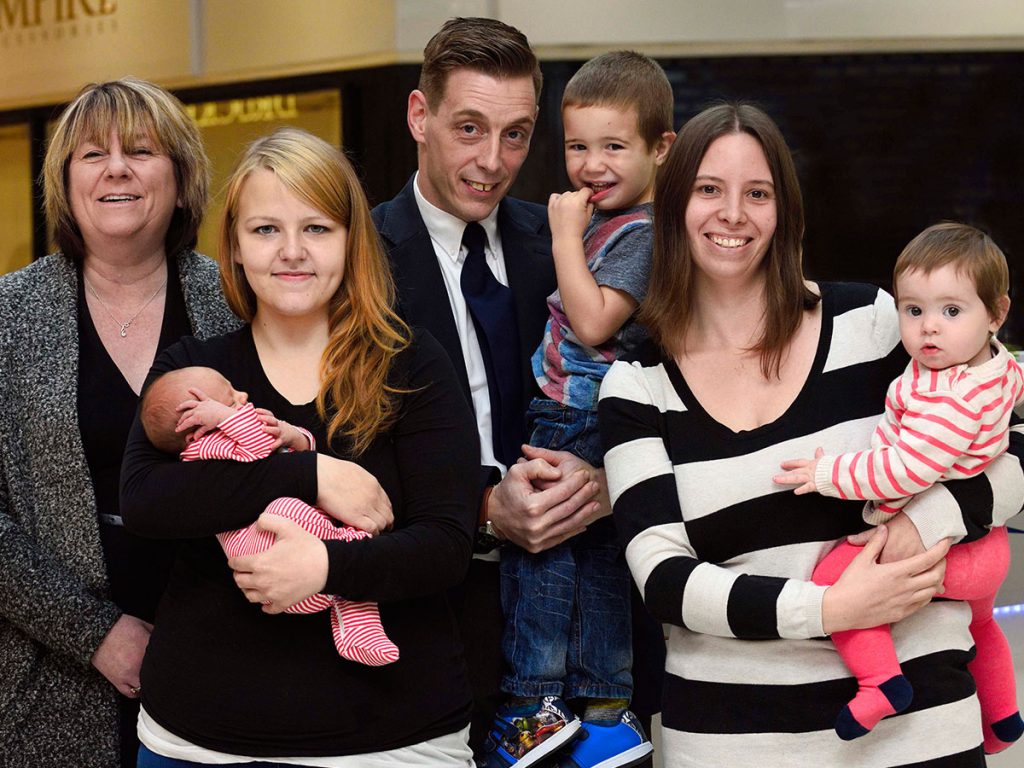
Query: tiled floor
point(1012, 593)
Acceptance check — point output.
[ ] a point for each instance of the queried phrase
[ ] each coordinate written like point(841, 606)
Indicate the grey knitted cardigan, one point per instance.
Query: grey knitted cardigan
point(55, 709)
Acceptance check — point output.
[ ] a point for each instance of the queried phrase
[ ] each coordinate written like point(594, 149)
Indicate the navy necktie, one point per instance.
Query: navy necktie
point(493, 310)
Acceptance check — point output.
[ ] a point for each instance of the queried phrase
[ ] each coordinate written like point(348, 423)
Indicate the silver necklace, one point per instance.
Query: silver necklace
point(127, 324)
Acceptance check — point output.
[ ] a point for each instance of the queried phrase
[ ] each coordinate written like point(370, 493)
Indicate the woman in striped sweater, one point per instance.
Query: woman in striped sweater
point(748, 365)
point(946, 417)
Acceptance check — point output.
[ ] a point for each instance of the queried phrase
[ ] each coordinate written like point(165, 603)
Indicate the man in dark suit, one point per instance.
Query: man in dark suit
point(472, 118)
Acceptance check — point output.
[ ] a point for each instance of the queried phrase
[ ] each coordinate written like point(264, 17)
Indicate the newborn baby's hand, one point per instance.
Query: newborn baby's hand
point(270, 425)
point(201, 414)
point(284, 434)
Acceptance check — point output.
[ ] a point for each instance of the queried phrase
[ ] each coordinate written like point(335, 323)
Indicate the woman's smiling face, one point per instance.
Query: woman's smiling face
point(122, 190)
point(293, 255)
point(731, 213)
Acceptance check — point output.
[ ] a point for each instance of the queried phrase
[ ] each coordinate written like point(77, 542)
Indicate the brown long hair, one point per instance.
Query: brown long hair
point(667, 311)
point(355, 398)
point(132, 107)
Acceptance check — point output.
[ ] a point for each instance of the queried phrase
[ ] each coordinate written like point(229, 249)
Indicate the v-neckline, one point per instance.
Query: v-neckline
point(694, 405)
point(85, 316)
point(262, 373)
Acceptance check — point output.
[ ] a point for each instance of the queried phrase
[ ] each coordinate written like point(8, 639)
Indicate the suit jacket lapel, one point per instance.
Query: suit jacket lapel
point(526, 245)
point(423, 296)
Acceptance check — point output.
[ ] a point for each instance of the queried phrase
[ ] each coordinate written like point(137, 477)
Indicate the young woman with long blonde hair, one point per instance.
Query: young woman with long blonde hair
point(227, 676)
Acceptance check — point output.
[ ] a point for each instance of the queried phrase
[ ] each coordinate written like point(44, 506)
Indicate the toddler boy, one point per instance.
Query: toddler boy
point(567, 609)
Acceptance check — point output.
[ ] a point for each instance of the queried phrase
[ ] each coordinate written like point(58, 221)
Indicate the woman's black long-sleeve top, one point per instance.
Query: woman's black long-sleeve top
point(222, 674)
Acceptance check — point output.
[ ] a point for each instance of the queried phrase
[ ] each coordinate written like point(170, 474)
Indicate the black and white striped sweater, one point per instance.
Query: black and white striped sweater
point(724, 557)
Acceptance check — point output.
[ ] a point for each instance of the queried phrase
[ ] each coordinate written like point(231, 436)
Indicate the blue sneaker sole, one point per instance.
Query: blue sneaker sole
point(631, 757)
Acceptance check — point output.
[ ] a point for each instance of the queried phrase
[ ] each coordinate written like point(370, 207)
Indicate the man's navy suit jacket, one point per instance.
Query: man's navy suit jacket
point(423, 299)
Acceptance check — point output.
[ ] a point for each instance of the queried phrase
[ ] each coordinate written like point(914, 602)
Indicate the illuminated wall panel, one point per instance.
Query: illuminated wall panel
point(16, 194)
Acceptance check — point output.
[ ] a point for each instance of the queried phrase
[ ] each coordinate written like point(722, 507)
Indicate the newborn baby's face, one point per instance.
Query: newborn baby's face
point(229, 395)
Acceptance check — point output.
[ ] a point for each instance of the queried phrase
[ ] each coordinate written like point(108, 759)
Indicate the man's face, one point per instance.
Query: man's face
point(473, 143)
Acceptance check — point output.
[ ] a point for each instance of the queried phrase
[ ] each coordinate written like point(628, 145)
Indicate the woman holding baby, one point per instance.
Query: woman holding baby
point(749, 365)
point(229, 677)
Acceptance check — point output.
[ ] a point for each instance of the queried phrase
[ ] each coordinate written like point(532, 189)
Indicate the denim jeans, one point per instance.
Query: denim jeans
point(560, 428)
point(567, 609)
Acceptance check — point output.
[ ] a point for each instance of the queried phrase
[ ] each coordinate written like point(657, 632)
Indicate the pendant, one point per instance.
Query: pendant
point(124, 329)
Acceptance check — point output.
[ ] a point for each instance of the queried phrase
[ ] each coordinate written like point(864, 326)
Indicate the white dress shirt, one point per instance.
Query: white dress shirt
point(446, 235)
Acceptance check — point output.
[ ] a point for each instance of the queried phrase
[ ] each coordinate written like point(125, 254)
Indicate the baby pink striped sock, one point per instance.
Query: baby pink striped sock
point(359, 635)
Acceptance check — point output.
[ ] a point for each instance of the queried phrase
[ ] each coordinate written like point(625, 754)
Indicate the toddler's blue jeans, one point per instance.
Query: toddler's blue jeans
point(567, 609)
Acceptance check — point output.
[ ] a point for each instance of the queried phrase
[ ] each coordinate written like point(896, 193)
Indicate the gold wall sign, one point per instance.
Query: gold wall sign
point(26, 21)
point(50, 48)
point(263, 109)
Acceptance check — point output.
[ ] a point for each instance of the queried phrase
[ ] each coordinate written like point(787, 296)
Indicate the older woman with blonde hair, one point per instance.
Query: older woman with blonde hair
point(126, 182)
point(228, 677)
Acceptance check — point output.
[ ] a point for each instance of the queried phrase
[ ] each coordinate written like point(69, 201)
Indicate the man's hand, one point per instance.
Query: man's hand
point(568, 463)
point(538, 505)
point(119, 655)
point(294, 568)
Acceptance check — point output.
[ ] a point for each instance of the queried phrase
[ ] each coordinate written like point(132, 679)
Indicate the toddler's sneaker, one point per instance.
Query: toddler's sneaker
point(609, 746)
point(522, 741)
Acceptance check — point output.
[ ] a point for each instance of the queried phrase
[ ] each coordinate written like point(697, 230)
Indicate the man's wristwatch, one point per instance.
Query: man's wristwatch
point(487, 539)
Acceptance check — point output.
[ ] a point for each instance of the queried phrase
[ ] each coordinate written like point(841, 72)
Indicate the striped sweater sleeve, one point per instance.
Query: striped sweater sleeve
point(925, 433)
point(966, 509)
point(964, 430)
point(677, 586)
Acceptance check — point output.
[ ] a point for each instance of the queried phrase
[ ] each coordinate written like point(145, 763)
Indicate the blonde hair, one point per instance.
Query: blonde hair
point(365, 332)
point(132, 108)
